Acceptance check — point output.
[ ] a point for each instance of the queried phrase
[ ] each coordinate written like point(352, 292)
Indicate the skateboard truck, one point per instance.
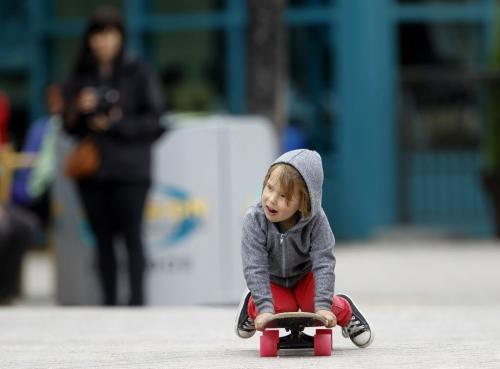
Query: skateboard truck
point(296, 340)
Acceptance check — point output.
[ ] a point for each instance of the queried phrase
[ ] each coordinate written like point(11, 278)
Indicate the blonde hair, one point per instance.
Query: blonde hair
point(289, 178)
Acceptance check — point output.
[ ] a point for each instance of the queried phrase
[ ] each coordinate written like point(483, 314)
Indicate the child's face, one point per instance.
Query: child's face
point(275, 204)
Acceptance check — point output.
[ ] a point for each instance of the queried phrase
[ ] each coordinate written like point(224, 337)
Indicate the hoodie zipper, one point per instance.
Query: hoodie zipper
point(283, 261)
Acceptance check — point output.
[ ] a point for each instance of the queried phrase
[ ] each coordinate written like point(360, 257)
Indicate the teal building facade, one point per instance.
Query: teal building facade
point(361, 73)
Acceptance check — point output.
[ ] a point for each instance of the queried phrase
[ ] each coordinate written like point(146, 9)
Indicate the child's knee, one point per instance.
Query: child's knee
point(342, 310)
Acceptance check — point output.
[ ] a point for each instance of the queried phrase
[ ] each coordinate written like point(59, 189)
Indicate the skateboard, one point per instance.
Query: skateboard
point(295, 322)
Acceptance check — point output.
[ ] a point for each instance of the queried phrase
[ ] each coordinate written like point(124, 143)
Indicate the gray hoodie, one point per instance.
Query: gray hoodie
point(284, 258)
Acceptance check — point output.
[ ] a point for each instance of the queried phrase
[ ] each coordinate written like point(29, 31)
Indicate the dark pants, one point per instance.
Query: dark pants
point(117, 209)
point(17, 232)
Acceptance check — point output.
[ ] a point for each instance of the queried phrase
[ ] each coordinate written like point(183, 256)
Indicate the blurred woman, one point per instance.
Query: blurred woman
point(117, 101)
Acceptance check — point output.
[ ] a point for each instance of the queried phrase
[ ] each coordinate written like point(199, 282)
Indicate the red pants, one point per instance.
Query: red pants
point(302, 297)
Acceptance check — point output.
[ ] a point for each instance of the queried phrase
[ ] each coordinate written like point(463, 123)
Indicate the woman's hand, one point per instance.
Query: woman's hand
point(100, 123)
point(87, 100)
point(261, 321)
point(331, 320)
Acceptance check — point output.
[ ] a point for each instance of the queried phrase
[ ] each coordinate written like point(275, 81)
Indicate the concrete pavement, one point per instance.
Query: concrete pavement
point(433, 304)
point(406, 337)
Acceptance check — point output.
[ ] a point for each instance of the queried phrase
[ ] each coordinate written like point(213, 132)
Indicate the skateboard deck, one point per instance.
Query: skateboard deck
point(297, 320)
point(295, 323)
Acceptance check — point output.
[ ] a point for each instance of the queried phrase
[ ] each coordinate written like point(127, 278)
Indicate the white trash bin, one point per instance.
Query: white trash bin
point(206, 172)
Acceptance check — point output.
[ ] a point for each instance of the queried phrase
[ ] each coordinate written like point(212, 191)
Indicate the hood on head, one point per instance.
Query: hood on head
point(308, 163)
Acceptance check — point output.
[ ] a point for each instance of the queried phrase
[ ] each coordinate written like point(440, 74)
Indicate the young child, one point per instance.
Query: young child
point(287, 252)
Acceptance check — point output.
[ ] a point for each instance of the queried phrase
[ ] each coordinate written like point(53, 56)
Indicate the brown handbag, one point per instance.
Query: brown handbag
point(83, 160)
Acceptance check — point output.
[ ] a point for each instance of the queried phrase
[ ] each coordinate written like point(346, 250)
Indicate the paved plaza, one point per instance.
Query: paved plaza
point(432, 303)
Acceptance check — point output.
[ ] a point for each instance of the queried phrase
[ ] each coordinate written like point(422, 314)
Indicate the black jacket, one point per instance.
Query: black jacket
point(125, 148)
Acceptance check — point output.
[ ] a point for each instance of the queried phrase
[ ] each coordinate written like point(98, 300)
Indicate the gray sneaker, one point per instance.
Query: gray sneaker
point(358, 329)
point(244, 325)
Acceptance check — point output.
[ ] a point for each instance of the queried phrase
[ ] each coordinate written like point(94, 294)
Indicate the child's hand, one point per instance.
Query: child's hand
point(331, 320)
point(261, 320)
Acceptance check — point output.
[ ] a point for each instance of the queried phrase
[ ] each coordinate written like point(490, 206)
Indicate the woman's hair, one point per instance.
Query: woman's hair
point(290, 179)
point(102, 19)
